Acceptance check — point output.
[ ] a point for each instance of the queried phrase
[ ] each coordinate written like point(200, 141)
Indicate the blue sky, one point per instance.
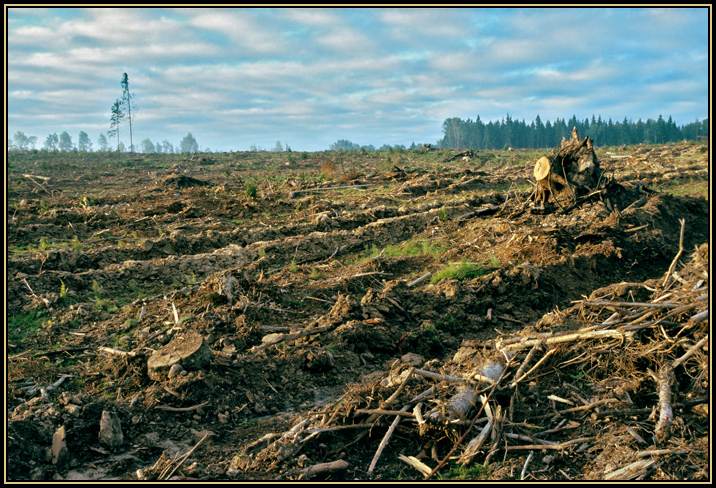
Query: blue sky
point(309, 77)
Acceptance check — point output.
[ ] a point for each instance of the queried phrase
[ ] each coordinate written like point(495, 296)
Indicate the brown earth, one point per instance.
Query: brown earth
point(303, 289)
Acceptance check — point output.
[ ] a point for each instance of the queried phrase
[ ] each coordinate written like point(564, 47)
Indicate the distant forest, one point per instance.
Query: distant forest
point(475, 134)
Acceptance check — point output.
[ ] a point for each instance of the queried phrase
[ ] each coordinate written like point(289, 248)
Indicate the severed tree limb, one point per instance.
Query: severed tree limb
point(521, 370)
point(324, 468)
point(556, 447)
point(690, 352)
point(416, 463)
point(462, 438)
point(603, 401)
point(665, 379)
point(395, 394)
point(112, 350)
point(418, 280)
point(632, 470)
point(181, 409)
point(292, 337)
point(700, 317)
point(385, 440)
point(388, 434)
point(524, 468)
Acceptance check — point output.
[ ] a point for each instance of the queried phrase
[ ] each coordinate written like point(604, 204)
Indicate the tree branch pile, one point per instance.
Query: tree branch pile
point(624, 396)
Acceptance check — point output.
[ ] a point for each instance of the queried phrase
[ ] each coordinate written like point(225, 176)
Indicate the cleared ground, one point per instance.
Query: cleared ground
point(112, 257)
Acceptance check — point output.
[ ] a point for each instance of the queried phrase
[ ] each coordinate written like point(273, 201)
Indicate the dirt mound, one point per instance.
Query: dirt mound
point(181, 181)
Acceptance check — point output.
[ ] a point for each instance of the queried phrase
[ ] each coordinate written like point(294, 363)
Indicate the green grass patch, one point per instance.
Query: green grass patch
point(465, 270)
point(411, 247)
point(24, 325)
point(473, 471)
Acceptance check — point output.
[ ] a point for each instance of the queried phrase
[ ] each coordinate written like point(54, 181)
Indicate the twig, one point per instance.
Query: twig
point(524, 468)
point(395, 394)
point(378, 411)
point(603, 303)
point(690, 352)
point(331, 188)
point(184, 458)
point(422, 278)
point(524, 364)
point(678, 254)
point(30, 177)
point(43, 300)
point(181, 409)
point(385, 440)
point(317, 430)
point(594, 334)
point(416, 463)
point(292, 337)
point(451, 379)
point(555, 447)
point(507, 197)
point(591, 405)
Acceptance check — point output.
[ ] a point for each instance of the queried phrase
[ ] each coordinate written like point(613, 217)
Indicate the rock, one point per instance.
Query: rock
point(271, 337)
point(412, 359)
point(175, 370)
point(110, 430)
point(187, 348)
point(60, 454)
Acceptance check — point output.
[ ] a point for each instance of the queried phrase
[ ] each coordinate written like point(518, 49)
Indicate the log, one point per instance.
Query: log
point(325, 468)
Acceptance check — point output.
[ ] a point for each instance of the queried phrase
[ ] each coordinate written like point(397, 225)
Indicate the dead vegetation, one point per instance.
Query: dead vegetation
point(262, 320)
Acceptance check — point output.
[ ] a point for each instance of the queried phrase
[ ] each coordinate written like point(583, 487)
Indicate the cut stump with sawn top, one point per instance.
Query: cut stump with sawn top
point(187, 348)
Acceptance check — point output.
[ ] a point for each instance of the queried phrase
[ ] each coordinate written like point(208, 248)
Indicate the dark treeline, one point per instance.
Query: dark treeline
point(475, 134)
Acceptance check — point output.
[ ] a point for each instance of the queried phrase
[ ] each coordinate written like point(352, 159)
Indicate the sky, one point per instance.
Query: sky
point(237, 78)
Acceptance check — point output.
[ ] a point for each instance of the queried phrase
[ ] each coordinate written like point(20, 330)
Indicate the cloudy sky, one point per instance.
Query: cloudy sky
point(309, 77)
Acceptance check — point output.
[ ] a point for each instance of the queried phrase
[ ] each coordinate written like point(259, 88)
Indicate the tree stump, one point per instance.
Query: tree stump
point(186, 348)
point(569, 171)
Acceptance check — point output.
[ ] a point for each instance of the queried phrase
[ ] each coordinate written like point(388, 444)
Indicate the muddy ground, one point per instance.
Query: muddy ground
point(300, 275)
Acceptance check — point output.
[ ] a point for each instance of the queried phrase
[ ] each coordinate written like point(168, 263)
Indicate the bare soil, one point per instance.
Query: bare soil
point(301, 276)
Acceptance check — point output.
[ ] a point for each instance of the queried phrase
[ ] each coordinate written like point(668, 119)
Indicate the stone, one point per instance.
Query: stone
point(110, 430)
point(60, 454)
point(412, 359)
point(175, 370)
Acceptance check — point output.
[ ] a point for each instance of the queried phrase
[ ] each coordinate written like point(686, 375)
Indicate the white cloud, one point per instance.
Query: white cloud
point(240, 28)
point(322, 74)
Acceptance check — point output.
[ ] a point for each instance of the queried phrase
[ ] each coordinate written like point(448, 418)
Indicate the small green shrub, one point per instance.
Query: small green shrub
point(251, 190)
